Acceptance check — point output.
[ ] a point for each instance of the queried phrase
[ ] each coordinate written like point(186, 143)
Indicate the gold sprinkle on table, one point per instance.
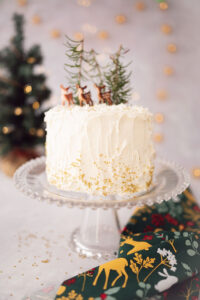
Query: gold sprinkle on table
point(45, 261)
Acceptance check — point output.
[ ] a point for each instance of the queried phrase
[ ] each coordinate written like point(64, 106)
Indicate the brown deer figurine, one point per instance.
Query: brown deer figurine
point(107, 97)
point(103, 96)
point(65, 96)
point(84, 97)
point(99, 92)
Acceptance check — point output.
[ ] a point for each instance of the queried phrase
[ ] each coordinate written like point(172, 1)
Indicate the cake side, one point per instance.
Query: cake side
point(99, 149)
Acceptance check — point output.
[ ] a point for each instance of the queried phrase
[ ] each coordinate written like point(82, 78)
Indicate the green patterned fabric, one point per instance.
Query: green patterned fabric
point(159, 257)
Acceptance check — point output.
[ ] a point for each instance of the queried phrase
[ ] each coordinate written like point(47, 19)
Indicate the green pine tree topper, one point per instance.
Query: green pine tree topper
point(117, 78)
point(83, 66)
point(21, 94)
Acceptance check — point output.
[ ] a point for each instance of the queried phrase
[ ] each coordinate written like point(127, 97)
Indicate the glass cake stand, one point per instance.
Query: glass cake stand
point(99, 233)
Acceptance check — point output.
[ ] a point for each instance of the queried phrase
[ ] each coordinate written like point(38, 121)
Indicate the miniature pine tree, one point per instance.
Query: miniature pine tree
point(75, 67)
point(21, 94)
point(95, 70)
point(117, 77)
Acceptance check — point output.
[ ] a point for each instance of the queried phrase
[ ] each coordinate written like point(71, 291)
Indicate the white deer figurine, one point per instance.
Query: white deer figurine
point(167, 282)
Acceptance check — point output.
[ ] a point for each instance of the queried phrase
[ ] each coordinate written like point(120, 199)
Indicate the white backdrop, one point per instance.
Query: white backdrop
point(148, 50)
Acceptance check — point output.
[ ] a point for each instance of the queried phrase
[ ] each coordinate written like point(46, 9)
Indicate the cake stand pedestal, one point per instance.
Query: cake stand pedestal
point(99, 233)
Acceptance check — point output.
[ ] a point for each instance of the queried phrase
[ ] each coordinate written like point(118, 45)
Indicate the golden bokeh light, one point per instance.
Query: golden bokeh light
point(55, 33)
point(5, 130)
point(22, 2)
point(36, 20)
point(18, 111)
point(103, 35)
point(32, 131)
point(162, 94)
point(163, 6)
point(158, 137)
point(36, 105)
point(196, 172)
point(85, 3)
point(78, 36)
point(165, 28)
point(120, 19)
point(159, 118)
point(167, 70)
point(171, 48)
point(27, 89)
point(40, 132)
point(140, 6)
point(31, 60)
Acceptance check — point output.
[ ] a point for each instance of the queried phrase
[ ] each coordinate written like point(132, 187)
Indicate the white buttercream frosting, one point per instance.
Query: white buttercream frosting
point(99, 149)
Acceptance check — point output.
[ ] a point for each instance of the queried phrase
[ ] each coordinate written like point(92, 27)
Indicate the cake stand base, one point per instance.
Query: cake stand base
point(99, 234)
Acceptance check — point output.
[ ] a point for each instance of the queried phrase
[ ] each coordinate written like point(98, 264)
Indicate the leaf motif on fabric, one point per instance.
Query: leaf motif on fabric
point(113, 290)
point(140, 293)
point(148, 262)
point(186, 267)
point(190, 252)
point(138, 258)
point(195, 244)
point(133, 267)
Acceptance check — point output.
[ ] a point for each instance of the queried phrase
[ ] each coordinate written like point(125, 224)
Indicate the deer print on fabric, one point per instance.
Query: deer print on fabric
point(118, 265)
point(137, 246)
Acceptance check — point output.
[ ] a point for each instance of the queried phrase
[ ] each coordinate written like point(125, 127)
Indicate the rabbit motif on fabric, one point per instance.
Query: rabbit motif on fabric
point(166, 283)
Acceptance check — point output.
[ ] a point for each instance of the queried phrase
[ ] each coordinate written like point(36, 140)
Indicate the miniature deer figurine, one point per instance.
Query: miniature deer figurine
point(166, 283)
point(84, 98)
point(107, 97)
point(137, 246)
point(119, 265)
point(65, 96)
point(99, 92)
point(103, 96)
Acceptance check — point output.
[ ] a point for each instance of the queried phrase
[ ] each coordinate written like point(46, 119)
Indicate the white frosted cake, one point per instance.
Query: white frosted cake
point(99, 149)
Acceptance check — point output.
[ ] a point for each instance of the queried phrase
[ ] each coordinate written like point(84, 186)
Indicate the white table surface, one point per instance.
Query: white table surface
point(32, 232)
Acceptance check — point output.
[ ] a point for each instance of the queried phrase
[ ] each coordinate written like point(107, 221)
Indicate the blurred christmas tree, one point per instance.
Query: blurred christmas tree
point(21, 95)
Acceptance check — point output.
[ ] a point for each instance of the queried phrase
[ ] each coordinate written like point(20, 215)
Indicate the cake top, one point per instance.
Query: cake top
point(99, 109)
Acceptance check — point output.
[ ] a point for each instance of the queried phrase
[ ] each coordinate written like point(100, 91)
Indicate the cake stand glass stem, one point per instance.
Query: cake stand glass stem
point(99, 233)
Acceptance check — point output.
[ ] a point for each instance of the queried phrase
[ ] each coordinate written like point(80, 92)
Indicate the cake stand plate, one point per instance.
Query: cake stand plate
point(99, 233)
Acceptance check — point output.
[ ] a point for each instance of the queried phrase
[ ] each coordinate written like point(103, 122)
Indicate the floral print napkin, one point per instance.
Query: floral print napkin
point(159, 257)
